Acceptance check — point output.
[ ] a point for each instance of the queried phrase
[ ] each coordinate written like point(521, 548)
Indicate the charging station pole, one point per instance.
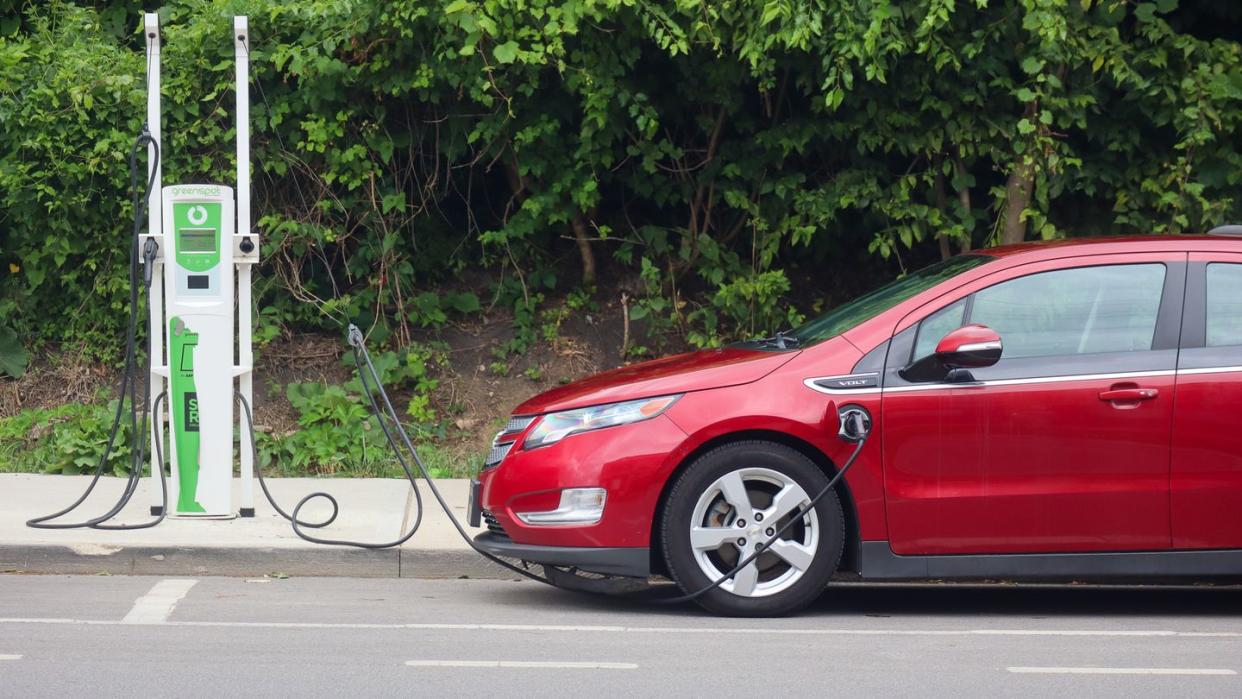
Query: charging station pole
point(155, 218)
point(200, 312)
point(248, 255)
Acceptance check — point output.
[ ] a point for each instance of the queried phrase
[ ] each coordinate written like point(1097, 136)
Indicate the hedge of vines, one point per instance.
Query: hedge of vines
point(728, 165)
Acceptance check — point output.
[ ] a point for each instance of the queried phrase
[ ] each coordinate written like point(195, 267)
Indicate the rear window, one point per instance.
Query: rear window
point(1224, 305)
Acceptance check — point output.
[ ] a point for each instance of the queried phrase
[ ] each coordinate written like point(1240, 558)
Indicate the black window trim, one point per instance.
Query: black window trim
point(1195, 353)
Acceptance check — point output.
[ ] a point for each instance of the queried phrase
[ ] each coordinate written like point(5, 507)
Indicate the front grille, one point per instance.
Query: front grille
point(497, 454)
point(493, 524)
point(517, 423)
point(504, 440)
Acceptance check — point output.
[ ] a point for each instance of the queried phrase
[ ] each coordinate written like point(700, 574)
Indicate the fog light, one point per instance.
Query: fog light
point(578, 506)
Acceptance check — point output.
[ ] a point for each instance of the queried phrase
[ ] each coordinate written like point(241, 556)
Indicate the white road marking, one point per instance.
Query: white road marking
point(157, 605)
point(520, 628)
point(1120, 671)
point(10, 657)
point(529, 664)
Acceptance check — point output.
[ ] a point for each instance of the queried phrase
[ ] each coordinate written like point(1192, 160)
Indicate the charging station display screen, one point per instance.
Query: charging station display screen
point(196, 240)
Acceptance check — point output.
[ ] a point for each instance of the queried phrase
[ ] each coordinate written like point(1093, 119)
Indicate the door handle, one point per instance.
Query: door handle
point(1129, 394)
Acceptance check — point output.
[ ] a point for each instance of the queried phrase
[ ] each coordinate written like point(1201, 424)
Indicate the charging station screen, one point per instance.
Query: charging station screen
point(196, 240)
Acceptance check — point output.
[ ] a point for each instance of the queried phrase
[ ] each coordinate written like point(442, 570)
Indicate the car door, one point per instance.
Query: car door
point(1206, 479)
point(1061, 446)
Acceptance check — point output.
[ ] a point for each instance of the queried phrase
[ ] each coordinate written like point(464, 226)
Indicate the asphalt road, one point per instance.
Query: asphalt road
point(185, 637)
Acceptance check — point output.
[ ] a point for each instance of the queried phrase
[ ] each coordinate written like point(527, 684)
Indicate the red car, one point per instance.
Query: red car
point(1098, 443)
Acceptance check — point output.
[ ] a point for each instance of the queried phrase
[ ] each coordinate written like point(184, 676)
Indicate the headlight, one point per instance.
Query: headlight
point(554, 427)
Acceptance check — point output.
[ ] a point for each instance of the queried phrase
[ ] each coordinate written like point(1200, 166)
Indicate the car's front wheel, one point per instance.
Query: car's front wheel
point(733, 499)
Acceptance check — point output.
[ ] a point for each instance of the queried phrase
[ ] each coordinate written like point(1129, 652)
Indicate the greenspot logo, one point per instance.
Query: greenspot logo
point(208, 190)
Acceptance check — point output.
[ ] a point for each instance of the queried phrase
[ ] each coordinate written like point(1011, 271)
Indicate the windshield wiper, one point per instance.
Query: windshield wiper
point(781, 339)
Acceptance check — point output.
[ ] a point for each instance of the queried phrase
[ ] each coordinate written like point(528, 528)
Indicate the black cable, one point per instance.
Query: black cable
point(129, 378)
point(369, 377)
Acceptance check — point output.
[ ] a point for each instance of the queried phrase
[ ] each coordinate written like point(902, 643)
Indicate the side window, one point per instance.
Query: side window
point(936, 326)
point(1074, 311)
point(1224, 304)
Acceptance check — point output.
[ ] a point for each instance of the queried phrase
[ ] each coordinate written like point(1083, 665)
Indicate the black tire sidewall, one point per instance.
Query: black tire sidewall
point(705, 470)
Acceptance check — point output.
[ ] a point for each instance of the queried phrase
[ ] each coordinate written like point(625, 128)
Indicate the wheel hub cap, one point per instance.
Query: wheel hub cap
point(763, 499)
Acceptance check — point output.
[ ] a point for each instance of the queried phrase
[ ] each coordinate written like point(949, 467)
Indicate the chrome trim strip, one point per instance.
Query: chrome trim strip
point(1211, 370)
point(978, 346)
point(1034, 380)
point(810, 383)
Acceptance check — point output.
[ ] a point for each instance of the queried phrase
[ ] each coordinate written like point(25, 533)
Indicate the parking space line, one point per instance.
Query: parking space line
point(1119, 671)
point(526, 664)
point(10, 657)
point(158, 604)
point(709, 630)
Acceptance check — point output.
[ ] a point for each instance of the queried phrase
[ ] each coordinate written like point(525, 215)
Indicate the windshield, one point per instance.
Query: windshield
point(851, 313)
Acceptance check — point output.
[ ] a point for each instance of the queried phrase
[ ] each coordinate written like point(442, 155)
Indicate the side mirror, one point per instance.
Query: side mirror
point(969, 347)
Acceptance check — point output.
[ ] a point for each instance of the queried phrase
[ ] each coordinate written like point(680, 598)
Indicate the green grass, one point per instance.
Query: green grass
point(69, 439)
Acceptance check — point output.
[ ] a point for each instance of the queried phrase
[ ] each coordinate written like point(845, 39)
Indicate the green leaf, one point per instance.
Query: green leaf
point(394, 201)
point(13, 357)
point(506, 52)
point(1025, 127)
point(463, 303)
point(1032, 65)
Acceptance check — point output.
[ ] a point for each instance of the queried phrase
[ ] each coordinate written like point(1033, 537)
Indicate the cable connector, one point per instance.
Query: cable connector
point(149, 250)
point(355, 337)
point(855, 423)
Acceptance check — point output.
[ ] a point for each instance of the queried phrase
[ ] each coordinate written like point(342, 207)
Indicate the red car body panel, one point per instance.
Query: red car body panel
point(782, 405)
point(679, 373)
point(1055, 466)
point(994, 470)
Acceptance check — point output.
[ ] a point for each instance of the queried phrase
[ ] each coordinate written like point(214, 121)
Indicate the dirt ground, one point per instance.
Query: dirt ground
point(473, 394)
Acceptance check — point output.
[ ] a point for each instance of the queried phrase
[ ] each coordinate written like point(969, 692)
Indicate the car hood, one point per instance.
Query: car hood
point(692, 371)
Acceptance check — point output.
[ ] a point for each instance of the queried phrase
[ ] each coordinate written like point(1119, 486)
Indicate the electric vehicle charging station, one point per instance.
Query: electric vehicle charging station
point(199, 312)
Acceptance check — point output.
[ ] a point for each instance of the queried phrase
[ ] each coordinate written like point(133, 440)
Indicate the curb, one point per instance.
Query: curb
point(97, 559)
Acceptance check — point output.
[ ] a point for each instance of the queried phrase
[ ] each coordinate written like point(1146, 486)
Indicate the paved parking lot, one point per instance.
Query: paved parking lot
point(318, 636)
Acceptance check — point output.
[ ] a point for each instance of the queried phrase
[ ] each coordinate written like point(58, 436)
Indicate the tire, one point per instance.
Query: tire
point(775, 481)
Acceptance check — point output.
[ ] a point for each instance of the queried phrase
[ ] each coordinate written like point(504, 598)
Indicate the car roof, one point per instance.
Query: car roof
point(1120, 244)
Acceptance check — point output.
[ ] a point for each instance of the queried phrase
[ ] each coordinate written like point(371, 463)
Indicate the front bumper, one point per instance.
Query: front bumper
point(630, 562)
point(630, 462)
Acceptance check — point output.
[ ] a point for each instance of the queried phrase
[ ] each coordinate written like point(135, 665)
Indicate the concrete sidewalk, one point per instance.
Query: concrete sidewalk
point(372, 509)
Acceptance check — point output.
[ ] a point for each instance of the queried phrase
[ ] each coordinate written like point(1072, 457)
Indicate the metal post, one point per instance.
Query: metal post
point(155, 218)
point(245, 356)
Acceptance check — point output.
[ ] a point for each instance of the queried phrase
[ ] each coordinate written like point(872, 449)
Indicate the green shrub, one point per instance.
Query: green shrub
point(739, 158)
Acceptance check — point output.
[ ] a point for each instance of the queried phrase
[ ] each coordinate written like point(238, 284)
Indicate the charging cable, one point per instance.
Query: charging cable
point(129, 378)
point(372, 385)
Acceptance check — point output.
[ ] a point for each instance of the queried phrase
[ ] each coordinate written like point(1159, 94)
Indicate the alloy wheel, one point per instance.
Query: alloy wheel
point(739, 512)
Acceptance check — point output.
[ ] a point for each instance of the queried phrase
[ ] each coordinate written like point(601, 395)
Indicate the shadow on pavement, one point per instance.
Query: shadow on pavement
point(931, 600)
point(1027, 600)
